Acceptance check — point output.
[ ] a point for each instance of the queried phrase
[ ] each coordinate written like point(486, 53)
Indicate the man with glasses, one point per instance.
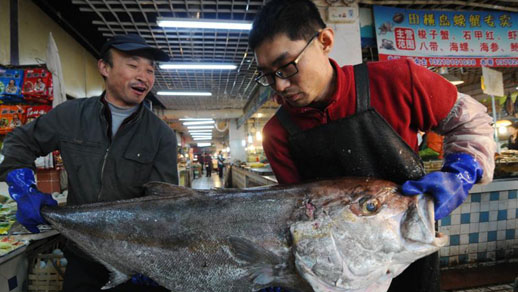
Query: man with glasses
point(363, 120)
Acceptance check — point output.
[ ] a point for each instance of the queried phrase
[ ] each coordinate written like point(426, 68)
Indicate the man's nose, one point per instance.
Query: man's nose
point(280, 84)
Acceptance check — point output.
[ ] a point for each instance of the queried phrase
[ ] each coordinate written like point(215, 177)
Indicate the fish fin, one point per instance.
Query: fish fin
point(116, 277)
point(263, 261)
point(248, 251)
point(156, 188)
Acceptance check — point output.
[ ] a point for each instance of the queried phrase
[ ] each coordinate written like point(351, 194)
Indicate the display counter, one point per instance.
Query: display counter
point(246, 177)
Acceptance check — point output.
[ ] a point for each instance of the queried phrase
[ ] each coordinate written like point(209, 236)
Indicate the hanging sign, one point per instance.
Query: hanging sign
point(447, 38)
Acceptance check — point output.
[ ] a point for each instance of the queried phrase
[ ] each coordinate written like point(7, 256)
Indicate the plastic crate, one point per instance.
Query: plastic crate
point(47, 273)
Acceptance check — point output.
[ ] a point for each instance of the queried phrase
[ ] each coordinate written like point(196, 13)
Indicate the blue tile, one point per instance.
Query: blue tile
point(464, 218)
point(12, 283)
point(491, 235)
point(463, 259)
point(481, 256)
point(509, 234)
point(446, 221)
point(444, 261)
point(484, 217)
point(512, 194)
point(455, 239)
point(473, 237)
point(475, 198)
point(502, 215)
point(494, 196)
point(516, 213)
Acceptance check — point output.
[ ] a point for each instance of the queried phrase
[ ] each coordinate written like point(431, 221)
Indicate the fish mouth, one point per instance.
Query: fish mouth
point(440, 238)
point(419, 223)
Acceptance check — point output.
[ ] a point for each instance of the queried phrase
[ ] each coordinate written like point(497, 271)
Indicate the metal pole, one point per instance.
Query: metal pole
point(495, 119)
point(13, 28)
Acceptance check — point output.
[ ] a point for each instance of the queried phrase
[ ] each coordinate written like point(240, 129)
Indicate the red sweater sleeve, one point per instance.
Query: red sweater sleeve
point(275, 146)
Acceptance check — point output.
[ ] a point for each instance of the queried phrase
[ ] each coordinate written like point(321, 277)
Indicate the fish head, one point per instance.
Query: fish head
point(359, 238)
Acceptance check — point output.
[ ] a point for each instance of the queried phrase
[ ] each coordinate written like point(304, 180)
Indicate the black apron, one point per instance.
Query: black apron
point(363, 144)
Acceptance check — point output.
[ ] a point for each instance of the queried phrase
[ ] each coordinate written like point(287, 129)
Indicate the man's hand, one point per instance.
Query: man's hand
point(450, 186)
point(22, 188)
point(139, 279)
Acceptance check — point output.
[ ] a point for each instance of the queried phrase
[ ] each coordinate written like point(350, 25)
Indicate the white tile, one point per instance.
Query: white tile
point(511, 224)
point(491, 246)
point(509, 245)
point(472, 248)
point(464, 239)
point(502, 225)
point(465, 208)
point(444, 252)
point(455, 229)
point(482, 237)
point(502, 204)
point(455, 219)
point(463, 249)
point(464, 228)
point(493, 205)
point(472, 257)
point(473, 227)
point(484, 197)
point(454, 250)
point(483, 226)
point(512, 204)
point(482, 247)
point(445, 229)
point(500, 235)
point(484, 206)
point(511, 213)
point(475, 207)
point(500, 244)
point(474, 217)
point(493, 215)
point(455, 212)
point(492, 225)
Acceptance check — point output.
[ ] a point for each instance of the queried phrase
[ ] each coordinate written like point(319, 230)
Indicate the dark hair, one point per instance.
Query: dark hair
point(298, 19)
point(107, 57)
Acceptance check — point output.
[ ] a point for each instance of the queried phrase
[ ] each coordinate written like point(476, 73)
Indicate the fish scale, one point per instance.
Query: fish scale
point(333, 235)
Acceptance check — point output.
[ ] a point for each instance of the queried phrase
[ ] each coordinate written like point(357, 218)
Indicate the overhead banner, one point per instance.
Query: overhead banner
point(447, 38)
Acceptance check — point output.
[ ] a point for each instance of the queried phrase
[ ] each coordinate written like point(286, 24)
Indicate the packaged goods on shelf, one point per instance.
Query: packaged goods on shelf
point(11, 116)
point(10, 85)
point(37, 85)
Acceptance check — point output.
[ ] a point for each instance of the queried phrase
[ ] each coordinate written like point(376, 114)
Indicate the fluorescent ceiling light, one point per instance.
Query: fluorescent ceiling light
point(200, 131)
point(203, 144)
point(201, 134)
point(197, 66)
point(194, 119)
point(202, 23)
point(198, 123)
point(200, 127)
point(202, 138)
point(184, 93)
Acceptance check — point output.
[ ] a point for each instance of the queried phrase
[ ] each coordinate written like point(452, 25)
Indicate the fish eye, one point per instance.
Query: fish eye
point(370, 206)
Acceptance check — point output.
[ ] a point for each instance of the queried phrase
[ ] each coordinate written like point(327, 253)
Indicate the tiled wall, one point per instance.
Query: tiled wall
point(484, 229)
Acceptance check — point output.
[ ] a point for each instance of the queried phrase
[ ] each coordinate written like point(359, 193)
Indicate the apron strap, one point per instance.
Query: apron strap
point(361, 78)
point(286, 121)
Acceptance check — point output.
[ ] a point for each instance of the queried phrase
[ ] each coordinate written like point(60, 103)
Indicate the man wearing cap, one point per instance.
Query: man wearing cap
point(110, 144)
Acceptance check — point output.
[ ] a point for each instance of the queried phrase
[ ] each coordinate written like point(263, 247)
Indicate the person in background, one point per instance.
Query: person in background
point(111, 145)
point(208, 164)
point(363, 120)
point(512, 142)
point(221, 164)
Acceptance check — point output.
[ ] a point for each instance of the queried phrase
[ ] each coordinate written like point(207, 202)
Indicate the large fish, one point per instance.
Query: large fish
point(349, 234)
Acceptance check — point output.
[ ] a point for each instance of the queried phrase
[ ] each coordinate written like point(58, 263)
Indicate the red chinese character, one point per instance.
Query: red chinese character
point(467, 34)
point(423, 47)
point(484, 47)
point(405, 39)
point(494, 47)
point(433, 33)
point(445, 35)
point(514, 47)
point(454, 47)
point(512, 34)
point(478, 34)
point(421, 33)
point(464, 47)
point(490, 35)
point(434, 46)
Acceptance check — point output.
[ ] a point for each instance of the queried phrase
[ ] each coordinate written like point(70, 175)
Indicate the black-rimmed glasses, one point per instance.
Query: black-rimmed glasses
point(285, 71)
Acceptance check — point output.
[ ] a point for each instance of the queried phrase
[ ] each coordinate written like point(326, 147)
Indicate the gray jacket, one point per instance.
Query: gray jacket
point(99, 169)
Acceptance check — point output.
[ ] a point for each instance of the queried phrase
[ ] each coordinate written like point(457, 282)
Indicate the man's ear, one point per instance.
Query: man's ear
point(327, 39)
point(103, 67)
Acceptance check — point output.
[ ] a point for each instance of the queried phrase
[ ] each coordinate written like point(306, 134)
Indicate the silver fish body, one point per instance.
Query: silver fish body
point(349, 234)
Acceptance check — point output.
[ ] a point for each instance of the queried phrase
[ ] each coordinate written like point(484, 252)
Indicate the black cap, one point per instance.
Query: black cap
point(133, 42)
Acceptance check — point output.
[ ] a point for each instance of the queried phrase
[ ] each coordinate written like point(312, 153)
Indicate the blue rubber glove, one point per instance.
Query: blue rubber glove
point(22, 188)
point(450, 186)
point(139, 279)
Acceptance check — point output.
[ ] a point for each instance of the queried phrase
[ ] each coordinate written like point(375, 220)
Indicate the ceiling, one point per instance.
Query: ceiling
point(92, 22)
